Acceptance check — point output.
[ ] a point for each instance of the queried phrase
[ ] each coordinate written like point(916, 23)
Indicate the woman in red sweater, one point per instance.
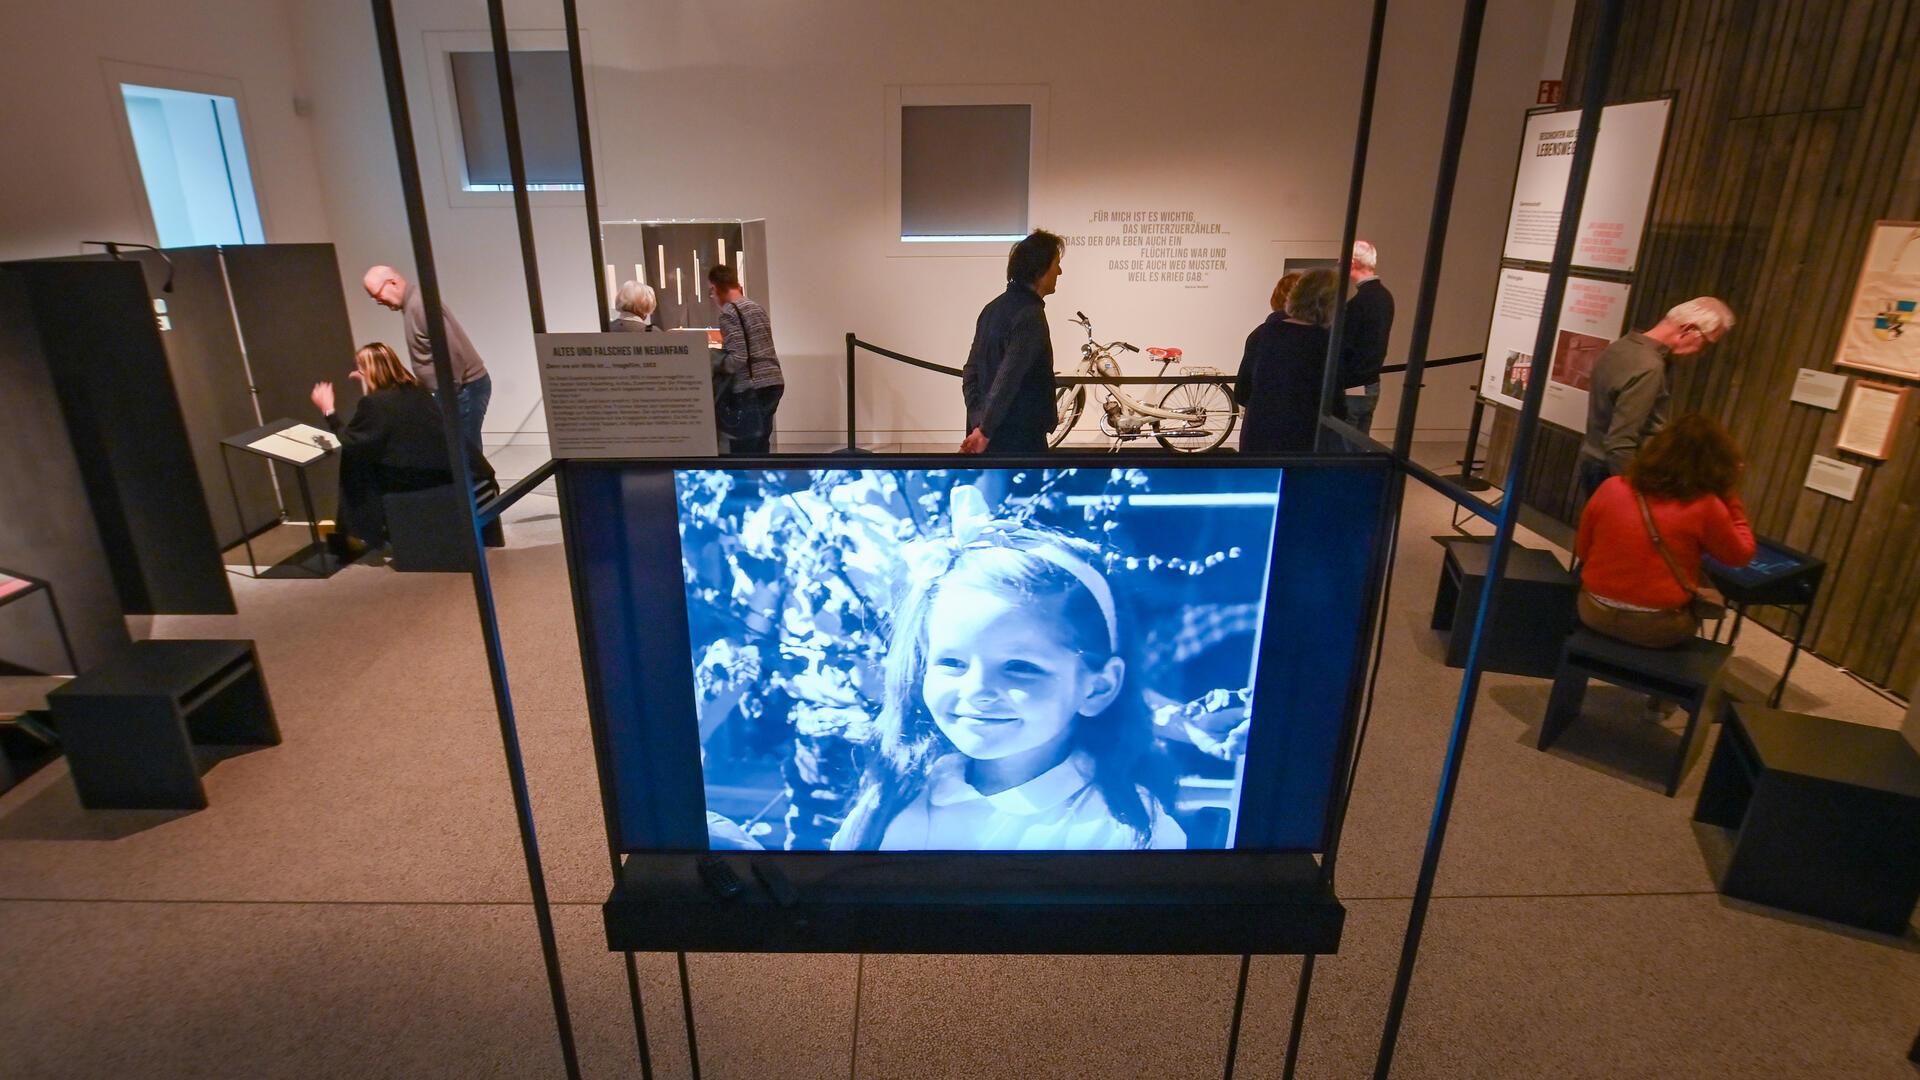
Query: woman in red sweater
point(1685, 479)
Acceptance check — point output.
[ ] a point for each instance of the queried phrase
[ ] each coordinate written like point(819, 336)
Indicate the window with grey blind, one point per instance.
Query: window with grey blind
point(964, 171)
point(549, 138)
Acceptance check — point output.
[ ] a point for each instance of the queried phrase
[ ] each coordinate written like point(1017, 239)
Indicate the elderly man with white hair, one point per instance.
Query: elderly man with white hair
point(1628, 397)
point(473, 387)
point(1363, 344)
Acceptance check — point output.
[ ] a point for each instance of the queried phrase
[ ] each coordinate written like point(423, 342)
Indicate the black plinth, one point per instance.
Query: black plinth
point(1140, 903)
point(1535, 612)
point(128, 726)
point(1826, 816)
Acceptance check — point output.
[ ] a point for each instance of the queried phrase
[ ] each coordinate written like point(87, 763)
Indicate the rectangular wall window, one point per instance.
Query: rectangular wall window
point(965, 171)
point(543, 94)
point(193, 163)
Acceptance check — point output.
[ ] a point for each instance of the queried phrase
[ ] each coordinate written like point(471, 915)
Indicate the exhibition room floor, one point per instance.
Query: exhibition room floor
point(353, 903)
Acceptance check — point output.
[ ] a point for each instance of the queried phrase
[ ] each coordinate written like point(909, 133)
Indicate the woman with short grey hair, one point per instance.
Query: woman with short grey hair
point(633, 308)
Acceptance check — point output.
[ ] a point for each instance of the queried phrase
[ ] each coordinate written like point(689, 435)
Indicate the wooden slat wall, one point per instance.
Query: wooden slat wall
point(1794, 129)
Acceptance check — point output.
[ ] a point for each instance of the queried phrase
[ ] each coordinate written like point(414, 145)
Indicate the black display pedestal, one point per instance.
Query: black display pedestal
point(130, 724)
point(1536, 606)
point(1826, 815)
point(1133, 902)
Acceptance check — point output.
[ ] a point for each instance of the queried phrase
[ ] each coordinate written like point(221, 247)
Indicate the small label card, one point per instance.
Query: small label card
point(1820, 389)
point(1835, 478)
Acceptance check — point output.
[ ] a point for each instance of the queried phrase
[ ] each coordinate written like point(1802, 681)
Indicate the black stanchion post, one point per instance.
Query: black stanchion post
point(852, 342)
point(1470, 458)
point(428, 284)
point(1599, 64)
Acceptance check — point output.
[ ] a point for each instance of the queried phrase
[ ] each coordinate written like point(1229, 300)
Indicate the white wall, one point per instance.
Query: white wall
point(67, 174)
point(1242, 113)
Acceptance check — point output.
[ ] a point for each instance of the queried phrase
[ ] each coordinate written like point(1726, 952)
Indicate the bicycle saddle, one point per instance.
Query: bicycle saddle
point(1164, 354)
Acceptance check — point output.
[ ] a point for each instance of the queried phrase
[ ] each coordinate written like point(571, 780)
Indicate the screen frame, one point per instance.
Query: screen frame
point(569, 474)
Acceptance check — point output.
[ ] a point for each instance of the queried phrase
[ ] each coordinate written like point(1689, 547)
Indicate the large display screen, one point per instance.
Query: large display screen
point(1064, 658)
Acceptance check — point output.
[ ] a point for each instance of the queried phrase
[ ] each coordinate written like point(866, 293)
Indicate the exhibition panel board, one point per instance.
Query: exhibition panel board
point(103, 349)
point(1790, 169)
point(47, 526)
point(292, 313)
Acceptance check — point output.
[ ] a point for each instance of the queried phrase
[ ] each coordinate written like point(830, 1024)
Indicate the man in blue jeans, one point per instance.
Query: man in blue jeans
point(473, 387)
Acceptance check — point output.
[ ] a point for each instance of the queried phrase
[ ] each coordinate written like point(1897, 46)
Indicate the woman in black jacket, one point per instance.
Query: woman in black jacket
point(1279, 381)
point(395, 442)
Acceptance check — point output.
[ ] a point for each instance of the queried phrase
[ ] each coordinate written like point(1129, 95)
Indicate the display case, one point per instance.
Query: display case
point(674, 257)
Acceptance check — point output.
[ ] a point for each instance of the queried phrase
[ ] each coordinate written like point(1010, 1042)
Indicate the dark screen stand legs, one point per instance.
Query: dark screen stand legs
point(1239, 1011)
point(639, 1018)
point(1301, 995)
point(686, 1007)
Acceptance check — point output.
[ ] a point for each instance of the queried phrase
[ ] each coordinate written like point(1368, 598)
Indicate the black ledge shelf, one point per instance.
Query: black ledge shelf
point(1060, 903)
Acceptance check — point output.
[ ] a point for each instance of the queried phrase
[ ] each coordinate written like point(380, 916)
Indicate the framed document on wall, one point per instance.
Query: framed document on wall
point(1872, 420)
point(1882, 331)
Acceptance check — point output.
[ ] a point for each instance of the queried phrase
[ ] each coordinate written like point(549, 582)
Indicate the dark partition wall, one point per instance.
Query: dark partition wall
point(210, 380)
point(116, 391)
point(46, 526)
point(293, 325)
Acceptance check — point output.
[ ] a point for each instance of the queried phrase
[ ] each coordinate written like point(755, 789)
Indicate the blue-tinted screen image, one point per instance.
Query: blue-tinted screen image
point(929, 658)
point(1051, 659)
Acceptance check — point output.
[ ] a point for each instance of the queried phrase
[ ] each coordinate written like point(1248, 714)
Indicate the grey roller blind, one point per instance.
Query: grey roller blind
point(543, 90)
point(964, 169)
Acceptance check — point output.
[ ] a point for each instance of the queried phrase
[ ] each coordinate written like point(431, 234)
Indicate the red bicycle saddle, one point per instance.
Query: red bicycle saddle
point(1164, 354)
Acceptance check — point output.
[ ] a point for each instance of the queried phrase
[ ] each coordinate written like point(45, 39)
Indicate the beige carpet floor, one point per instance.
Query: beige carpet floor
point(353, 902)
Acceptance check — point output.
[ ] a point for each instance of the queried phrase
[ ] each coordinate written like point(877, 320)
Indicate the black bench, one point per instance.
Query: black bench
point(428, 529)
point(1688, 673)
point(129, 725)
point(1826, 815)
point(1534, 614)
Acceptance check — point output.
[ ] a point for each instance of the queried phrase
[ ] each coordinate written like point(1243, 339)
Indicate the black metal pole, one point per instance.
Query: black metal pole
point(516, 161)
point(590, 191)
point(1599, 64)
point(1301, 995)
point(851, 340)
point(1356, 182)
point(1465, 59)
point(1239, 1012)
point(428, 284)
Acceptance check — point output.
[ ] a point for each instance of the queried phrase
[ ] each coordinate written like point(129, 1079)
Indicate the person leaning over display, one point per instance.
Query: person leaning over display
point(395, 442)
point(1642, 535)
point(633, 309)
point(473, 386)
point(1632, 381)
point(1007, 382)
point(1278, 385)
point(747, 365)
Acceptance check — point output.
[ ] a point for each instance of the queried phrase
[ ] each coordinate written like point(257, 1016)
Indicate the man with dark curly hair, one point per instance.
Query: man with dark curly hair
point(1008, 379)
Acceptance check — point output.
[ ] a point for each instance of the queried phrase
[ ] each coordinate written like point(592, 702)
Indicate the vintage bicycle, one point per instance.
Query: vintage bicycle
point(1190, 417)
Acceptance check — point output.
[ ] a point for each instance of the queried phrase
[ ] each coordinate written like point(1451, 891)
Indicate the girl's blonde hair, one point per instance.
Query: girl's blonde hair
point(1005, 562)
point(381, 368)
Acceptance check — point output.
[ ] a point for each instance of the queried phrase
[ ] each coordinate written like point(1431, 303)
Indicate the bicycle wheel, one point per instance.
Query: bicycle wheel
point(1211, 413)
point(1068, 401)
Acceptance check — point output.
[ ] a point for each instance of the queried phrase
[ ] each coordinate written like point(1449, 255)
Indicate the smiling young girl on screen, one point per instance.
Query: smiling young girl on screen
point(1008, 722)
